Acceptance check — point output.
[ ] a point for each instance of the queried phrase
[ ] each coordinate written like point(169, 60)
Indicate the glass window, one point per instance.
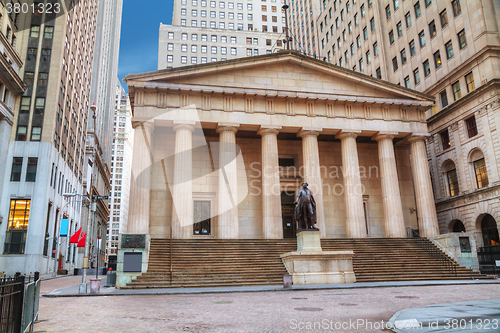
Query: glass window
point(391, 37)
point(170, 47)
point(170, 58)
point(203, 38)
point(194, 60)
point(31, 171)
point(427, 68)
point(17, 165)
point(194, 37)
point(407, 82)
point(378, 73)
point(35, 31)
point(408, 19)
point(461, 39)
point(48, 33)
point(372, 24)
point(365, 33)
point(25, 105)
point(31, 54)
point(444, 18)
point(170, 35)
point(421, 38)
point(214, 49)
point(456, 90)
point(445, 139)
point(39, 105)
point(183, 60)
point(42, 79)
point(444, 99)
point(368, 57)
point(416, 76)
point(481, 173)
point(437, 59)
point(457, 9)
point(427, 3)
point(418, 11)
point(184, 47)
point(21, 133)
point(388, 12)
point(375, 48)
point(471, 126)
point(403, 56)
point(452, 182)
point(412, 47)
point(399, 27)
point(469, 81)
point(17, 227)
point(201, 217)
point(184, 36)
point(432, 29)
point(395, 64)
point(449, 49)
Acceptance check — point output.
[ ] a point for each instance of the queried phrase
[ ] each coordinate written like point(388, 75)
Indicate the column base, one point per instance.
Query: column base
point(308, 240)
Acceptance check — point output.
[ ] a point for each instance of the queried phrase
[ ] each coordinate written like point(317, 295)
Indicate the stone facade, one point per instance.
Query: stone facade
point(248, 130)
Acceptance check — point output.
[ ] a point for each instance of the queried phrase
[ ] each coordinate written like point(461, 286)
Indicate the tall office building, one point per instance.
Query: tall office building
point(449, 50)
point(46, 149)
point(123, 138)
point(100, 133)
point(207, 31)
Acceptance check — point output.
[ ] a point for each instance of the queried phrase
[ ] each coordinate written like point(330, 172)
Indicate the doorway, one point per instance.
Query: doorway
point(287, 209)
point(489, 230)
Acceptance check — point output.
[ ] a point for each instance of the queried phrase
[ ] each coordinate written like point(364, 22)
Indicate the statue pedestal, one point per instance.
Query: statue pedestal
point(310, 265)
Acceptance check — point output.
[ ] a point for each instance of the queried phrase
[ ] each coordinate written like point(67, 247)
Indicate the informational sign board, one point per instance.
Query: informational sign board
point(64, 228)
point(100, 197)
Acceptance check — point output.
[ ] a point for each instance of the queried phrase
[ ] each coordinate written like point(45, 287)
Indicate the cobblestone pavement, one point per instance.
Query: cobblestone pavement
point(286, 311)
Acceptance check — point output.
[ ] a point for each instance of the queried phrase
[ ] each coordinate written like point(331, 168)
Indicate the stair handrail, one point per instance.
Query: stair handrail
point(436, 253)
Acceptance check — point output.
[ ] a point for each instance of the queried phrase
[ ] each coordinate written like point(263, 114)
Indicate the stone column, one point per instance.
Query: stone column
point(140, 189)
point(228, 184)
point(312, 173)
point(353, 190)
point(391, 197)
point(182, 189)
point(426, 209)
point(272, 221)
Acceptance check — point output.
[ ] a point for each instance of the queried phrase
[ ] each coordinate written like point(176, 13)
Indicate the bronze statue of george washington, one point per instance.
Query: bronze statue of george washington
point(305, 211)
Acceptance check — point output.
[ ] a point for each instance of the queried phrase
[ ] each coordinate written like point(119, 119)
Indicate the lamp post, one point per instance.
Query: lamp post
point(57, 238)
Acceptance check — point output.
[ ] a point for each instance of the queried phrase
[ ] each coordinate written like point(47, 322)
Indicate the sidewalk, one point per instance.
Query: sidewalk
point(72, 291)
point(478, 316)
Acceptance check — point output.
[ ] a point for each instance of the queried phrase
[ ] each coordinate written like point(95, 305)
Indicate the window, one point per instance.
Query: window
point(452, 182)
point(418, 11)
point(183, 60)
point(395, 64)
point(421, 38)
point(365, 33)
point(412, 47)
point(170, 58)
point(416, 76)
point(233, 40)
point(170, 35)
point(481, 174)
point(17, 227)
point(399, 28)
point(456, 90)
point(203, 60)
point(223, 50)
point(427, 68)
point(35, 31)
point(170, 47)
point(363, 10)
point(372, 24)
point(184, 47)
point(437, 59)
point(21, 133)
point(204, 38)
point(432, 29)
point(203, 49)
point(375, 49)
point(445, 139)
point(194, 48)
point(403, 56)
point(42, 79)
point(194, 60)
point(25, 105)
point(471, 126)
point(408, 19)
point(352, 48)
point(461, 39)
point(214, 49)
point(391, 37)
point(388, 12)
point(396, 4)
point(368, 57)
point(184, 36)
point(449, 50)
point(457, 9)
point(194, 37)
point(469, 81)
point(48, 33)
point(444, 99)
point(214, 38)
point(31, 171)
point(29, 79)
point(407, 82)
point(233, 51)
point(444, 18)
point(17, 165)
point(378, 73)
point(201, 217)
point(183, 22)
point(31, 54)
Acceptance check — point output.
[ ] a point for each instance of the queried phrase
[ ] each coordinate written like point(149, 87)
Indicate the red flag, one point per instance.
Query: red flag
point(75, 237)
point(81, 242)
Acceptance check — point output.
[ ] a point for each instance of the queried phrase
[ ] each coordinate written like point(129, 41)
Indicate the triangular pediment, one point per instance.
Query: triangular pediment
point(281, 74)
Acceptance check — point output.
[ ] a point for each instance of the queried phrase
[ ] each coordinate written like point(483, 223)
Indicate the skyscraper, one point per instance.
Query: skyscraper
point(207, 31)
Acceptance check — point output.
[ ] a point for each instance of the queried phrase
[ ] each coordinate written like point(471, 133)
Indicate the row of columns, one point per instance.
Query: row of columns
point(182, 212)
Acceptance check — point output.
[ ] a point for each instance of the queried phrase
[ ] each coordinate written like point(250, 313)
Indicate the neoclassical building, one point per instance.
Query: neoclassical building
point(220, 151)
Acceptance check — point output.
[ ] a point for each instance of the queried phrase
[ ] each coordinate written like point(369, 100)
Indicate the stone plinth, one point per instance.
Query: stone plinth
point(310, 265)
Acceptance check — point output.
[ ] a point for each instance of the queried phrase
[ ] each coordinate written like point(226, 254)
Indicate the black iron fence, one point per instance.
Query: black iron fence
point(488, 257)
point(19, 297)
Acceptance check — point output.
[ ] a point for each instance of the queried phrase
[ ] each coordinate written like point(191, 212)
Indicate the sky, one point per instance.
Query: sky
point(139, 36)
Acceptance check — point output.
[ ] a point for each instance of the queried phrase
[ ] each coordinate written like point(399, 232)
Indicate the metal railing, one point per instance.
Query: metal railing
point(436, 253)
point(31, 298)
point(11, 303)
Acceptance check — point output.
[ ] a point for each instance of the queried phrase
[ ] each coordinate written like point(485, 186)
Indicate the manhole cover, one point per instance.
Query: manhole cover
point(299, 298)
point(223, 302)
point(406, 297)
point(347, 304)
point(309, 309)
point(180, 303)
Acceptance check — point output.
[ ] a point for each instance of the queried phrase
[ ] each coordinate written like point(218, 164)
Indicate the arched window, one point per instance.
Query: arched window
point(450, 171)
point(458, 226)
point(489, 230)
point(477, 160)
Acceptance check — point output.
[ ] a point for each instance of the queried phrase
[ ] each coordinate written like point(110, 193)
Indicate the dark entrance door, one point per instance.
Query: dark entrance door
point(490, 231)
point(287, 208)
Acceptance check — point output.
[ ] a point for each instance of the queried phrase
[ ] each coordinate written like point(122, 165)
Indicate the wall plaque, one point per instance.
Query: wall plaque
point(133, 241)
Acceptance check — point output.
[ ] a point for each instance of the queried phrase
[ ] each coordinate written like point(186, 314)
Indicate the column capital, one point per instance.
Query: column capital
point(264, 130)
point(184, 126)
point(384, 136)
point(309, 131)
point(146, 124)
point(418, 137)
point(227, 127)
point(347, 134)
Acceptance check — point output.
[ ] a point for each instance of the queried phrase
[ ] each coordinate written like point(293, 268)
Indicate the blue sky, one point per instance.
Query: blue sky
point(139, 36)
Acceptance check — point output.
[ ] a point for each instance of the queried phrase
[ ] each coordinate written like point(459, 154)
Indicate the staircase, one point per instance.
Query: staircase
point(250, 262)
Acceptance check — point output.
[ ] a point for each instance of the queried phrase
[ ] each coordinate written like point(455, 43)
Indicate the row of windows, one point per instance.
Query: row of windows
point(472, 131)
point(230, 25)
point(17, 165)
point(480, 174)
point(213, 14)
point(457, 92)
point(222, 4)
point(48, 32)
point(204, 60)
point(204, 49)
